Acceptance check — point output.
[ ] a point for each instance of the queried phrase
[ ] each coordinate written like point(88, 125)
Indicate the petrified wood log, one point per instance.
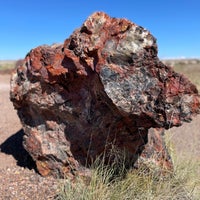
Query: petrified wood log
point(103, 88)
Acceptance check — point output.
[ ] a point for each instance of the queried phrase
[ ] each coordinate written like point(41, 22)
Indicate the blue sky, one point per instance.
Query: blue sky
point(27, 24)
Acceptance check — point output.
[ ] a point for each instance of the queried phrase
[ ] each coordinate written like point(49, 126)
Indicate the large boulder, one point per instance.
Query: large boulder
point(103, 89)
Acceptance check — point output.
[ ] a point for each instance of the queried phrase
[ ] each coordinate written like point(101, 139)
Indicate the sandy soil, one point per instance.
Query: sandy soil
point(20, 181)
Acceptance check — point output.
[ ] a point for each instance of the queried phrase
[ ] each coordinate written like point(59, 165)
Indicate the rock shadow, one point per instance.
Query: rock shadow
point(13, 146)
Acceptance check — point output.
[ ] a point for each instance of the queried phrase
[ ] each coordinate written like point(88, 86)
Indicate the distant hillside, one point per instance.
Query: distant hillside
point(175, 62)
point(6, 66)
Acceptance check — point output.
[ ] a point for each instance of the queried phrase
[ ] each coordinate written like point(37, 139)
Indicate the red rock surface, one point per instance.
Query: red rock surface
point(103, 88)
point(155, 154)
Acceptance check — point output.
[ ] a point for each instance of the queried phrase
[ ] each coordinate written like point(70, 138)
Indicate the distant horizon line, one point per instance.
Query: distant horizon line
point(180, 58)
point(161, 58)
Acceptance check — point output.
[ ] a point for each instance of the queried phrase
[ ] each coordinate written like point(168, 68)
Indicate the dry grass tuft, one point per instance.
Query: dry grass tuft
point(142, 183)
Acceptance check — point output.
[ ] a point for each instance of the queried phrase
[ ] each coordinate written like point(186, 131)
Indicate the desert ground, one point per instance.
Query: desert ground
point(19, 179)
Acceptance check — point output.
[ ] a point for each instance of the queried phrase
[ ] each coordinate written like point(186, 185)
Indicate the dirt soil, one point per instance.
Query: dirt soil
point(19, 179)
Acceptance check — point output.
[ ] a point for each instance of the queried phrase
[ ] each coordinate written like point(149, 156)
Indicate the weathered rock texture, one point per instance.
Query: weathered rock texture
point(155, 154)
point(103, 88)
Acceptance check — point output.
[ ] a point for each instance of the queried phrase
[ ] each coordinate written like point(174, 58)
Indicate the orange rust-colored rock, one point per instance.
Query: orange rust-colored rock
point(104, 87)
